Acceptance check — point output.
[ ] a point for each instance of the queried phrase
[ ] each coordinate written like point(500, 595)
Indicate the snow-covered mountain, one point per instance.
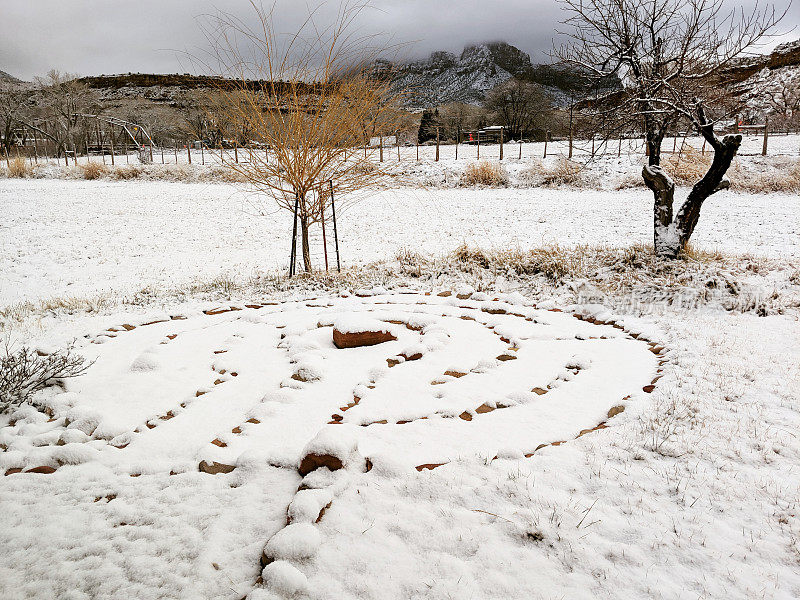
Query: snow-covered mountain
point(770, 84)
point(444, 77)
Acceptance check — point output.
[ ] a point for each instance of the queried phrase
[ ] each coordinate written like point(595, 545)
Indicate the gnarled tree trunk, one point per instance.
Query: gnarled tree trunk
point(670, 235)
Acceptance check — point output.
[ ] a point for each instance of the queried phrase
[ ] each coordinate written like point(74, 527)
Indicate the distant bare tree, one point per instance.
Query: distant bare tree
point(60, 98)
point(302, 97)
point(13, 110)
point(518, 105)
point(670, 55)
point(458, 117)
point(783, 98)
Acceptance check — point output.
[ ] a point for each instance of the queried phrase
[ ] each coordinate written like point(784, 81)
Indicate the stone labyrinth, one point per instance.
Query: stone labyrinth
point(339, 382)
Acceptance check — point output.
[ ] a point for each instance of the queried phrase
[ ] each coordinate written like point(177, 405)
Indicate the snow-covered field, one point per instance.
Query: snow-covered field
point(78, 238)
point(472, 461)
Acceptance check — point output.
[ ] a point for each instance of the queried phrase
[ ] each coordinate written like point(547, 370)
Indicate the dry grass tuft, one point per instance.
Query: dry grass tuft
point(629, 181)
point(19, 168)
point(127, 172)
point(472, 256)
point(778, 177)
point(484, 173)
point(688, 166)
point(93, 170)
point(223, 175)
point(564, 172)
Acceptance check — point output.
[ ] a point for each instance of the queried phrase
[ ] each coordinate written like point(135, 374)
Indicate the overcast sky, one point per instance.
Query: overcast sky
point(92, 37)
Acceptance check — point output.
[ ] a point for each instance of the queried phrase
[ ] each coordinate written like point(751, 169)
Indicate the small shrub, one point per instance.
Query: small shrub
point(628, 181)
point(566, 172)
point(25, 372)
point(783, 177)
point(18, 167)
point(93, 170)
point(484, 173)
point(222, 174)
point(474, 256)
point(533, 173)
point(127, 172)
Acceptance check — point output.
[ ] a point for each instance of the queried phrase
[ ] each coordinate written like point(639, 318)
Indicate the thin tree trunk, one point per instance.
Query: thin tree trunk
point(305, 245)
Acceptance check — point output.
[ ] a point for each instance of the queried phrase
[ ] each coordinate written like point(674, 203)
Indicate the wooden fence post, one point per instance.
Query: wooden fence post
point(380, 144)
point(546, 135)
point(437, 144)
point(111, 140)
point(189, 150)
point(569, 155)
point(766, 135)
point(501, 143)
point(520, 149)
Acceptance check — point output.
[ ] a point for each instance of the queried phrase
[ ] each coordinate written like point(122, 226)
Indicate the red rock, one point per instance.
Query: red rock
point(360, 338)
point(455, 374)
point(429, 466)
point(215, 468)
point(615, 410)
point(44, 469)
point(312, 462)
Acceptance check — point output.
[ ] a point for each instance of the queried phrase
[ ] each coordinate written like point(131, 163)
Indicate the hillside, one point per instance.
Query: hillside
point(8, 78)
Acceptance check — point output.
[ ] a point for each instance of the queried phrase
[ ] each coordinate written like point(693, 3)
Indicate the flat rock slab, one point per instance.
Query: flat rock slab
point(357, 339)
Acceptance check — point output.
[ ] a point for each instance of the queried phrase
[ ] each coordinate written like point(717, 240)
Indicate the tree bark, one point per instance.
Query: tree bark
point(305, 245)
point(663, 188)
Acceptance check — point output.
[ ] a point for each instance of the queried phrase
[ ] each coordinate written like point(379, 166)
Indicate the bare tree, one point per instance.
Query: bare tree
point(783, 98)
point(458, 117)
point(310, 98)
point(60, 99)
point(670, 56)
point(13, 110)
point(518, 104)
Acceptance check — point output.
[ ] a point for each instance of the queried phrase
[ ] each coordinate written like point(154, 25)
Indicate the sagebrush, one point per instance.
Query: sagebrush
point(26, 371)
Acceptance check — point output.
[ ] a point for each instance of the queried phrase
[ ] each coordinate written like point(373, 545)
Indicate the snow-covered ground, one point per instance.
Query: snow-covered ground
point(79, 238)
point(691, 491)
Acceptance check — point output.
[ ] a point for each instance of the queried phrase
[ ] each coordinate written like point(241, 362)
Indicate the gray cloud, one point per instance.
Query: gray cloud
point(91, 37)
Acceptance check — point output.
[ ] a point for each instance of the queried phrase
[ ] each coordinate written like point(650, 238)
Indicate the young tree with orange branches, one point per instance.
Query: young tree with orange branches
point(310, 98)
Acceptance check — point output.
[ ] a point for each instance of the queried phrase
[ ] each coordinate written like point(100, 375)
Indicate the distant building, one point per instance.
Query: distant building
point(488, 135)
